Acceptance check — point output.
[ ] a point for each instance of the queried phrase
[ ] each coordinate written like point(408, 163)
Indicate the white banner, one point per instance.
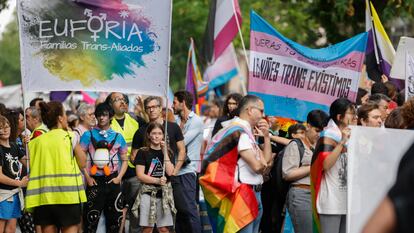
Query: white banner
point(374, 156)
point(95, 45)
point(409, 76)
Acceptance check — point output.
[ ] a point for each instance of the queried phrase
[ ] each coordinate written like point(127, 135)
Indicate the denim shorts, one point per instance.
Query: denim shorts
point(10, 209)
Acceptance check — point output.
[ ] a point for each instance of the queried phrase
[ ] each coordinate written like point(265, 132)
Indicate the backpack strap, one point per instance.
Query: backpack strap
point(301, 148)
point(93, 141)
point(77, 131)
point(111, 160)
point(112, 143)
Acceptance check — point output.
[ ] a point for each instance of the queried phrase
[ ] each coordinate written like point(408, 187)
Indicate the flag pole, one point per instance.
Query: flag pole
point(374, 33)
point(165, 150)
point(23, 96)
point(406, 75)
point(243, 85)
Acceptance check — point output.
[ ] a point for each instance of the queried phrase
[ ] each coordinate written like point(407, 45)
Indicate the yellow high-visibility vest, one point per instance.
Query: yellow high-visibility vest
point(130, 127)
point(55, 177)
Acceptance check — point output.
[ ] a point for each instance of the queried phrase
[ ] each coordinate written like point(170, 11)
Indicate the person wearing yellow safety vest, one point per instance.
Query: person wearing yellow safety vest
point(34, 122)
point(126, 125)
point(55, 190)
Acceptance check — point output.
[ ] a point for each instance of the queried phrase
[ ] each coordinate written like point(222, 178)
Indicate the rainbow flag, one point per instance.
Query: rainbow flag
point(194, 83)
point(330, 137)
point(231, 205)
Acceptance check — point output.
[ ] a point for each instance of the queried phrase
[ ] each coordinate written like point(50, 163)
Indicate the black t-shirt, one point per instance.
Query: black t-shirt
point(121, 122)
point(174, 135)
point(402, 193)
point(153, 161)
point(10, 164)
point(141, 121)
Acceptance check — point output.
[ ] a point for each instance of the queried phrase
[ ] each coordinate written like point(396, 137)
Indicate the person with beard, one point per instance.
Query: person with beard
point(125, 124)
point(229, 111)
point(192, 127)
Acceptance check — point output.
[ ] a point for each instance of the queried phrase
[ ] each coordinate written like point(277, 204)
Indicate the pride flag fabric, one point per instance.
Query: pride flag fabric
point(223, 69)
point(194, 83)
point(329, 139)
point(231, 205)
point(95, 45)
point(221, 27)
point(293, 79)
point(380, 51)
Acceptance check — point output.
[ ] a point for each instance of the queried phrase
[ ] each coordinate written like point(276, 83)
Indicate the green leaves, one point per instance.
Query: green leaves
point(10, 54)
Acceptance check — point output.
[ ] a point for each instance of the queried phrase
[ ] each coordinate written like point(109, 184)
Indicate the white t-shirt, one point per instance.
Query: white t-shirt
point(333, 190)
point(245, 174)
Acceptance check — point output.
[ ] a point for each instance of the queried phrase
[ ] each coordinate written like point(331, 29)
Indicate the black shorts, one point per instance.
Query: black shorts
point(58, 215)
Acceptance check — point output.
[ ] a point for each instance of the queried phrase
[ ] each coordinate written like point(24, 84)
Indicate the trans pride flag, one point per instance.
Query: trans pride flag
point(293, 79)
point(223, 69)
point(330, 138)
point(221, 28)
point(231, 205)
point(95, 45)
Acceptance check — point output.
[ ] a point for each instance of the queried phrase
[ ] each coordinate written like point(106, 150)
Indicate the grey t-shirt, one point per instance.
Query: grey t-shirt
point(291, 161)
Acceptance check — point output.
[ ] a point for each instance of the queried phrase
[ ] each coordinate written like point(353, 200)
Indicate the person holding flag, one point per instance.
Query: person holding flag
point(329, 167)
point(154, 203)
point(231, 175)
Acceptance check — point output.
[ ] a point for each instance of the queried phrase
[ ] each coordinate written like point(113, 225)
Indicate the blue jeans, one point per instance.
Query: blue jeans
point(253, 227)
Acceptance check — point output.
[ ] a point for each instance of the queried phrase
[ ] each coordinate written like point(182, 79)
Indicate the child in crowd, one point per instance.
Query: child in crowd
point(11, 179)
point(153, 167)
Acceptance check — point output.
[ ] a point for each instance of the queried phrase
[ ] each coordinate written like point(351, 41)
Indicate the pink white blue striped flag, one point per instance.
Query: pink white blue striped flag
point(223, 69)
point(221, 27)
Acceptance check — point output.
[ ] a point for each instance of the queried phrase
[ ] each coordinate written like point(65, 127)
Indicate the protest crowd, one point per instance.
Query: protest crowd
point(272, 158)
point(115, 163)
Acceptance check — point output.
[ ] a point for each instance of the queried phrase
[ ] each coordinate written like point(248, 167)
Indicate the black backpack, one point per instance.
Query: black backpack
point(282, 186)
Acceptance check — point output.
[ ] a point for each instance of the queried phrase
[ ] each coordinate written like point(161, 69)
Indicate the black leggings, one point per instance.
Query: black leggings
point(104, 197)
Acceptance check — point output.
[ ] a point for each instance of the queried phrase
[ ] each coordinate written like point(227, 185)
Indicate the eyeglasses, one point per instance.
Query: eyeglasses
point(150, 108)
point(119, 100)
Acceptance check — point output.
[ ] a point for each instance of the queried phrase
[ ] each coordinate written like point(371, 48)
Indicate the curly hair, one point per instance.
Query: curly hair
point(395, 120)
point(407, 113)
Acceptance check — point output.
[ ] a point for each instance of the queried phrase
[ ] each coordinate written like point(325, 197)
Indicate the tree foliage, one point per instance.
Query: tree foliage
point(10, 55)
point(344, 18)
point(3, 4)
